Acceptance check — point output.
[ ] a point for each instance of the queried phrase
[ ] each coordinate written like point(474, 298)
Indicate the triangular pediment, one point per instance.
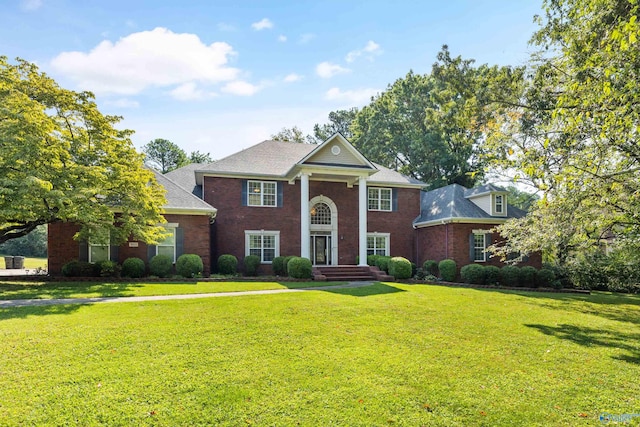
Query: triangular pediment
point(336, 152)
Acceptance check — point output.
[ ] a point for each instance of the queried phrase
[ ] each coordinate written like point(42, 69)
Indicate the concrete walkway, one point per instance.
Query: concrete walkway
point(99, 300)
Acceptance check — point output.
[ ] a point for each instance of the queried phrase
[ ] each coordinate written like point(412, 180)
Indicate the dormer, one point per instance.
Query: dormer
point(489, 198)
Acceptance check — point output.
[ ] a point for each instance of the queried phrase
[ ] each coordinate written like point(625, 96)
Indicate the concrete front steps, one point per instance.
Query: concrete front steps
point(349, 273)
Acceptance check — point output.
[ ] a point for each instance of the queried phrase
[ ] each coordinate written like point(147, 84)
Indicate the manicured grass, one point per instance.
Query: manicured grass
point(48, 290)
point(30, 263)
point(383, 355)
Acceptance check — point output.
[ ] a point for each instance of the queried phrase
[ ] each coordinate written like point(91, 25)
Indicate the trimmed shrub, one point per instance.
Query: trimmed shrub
point(189, 265)
point(133, 267)
point(491, 275)
point(510, 275)
point(299, 268)
point(161, 265)
point(545, 278)
point(371, 260)
point(382, 262)
point(227, 264)
point(278, 266)
point(527, 276)
point(473, 274)
point(108, 268)
point(430, 267)
point(448, 270)
point(80, 269)
point(286, 264)
point(251, 264)
point(400, 267)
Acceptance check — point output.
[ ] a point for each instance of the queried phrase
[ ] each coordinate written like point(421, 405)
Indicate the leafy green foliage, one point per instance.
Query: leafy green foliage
point(33, 244)
point(339, 121)
point(299, 268)
point(133, 267)
point(510, 275)
point(382, 262)
point(448, 270)
point(189, 265)
point(251, 264)
point(80, 269)
point(400, 268)
point(293, 134)
point(277, 264)
point(473, 273)
point(285, 263)
point(491, 275)
point(527, 276)
point(371, 259)
point(430, 267)
point(164, 156)
point(108, 268)
point(545, 278)
point(62, 160)
point(161, 266)
point(198, 157)
point(227, 264)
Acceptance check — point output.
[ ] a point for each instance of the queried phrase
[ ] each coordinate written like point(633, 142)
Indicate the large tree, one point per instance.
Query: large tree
point(575, 132)
point(430, 126)
point(339, 121)
point(62, 160)
point(164, 156)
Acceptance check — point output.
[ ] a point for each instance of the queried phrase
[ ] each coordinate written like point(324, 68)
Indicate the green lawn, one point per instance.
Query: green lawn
point(29, 262)
point(383, 355)
point(49, 290)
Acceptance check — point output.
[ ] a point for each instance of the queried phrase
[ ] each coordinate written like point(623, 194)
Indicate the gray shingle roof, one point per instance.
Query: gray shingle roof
point(483, 189)
point(185, 177)
point(451, 202)
point(179, 198)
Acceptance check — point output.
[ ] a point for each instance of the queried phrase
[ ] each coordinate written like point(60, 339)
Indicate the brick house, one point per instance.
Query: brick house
point(325, 202)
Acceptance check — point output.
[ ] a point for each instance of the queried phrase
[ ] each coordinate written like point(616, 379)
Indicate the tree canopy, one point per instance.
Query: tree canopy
point(294, 134)
point(164, 156)
point(61, 160)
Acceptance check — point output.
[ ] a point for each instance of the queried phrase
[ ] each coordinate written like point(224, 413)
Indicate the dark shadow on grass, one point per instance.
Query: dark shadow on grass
point(24, 312)
point(364, 291)
point(628, 344)
point(56, 290)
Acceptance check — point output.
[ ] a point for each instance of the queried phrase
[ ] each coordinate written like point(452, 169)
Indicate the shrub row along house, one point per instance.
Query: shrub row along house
point(325, 202)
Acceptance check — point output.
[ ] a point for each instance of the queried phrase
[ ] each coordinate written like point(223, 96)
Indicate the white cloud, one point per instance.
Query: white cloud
point(30, 5)
point(282, 38)
point(223, 26)
point(293, 77)
point(157, 58)
point(241, 88)
point(306, 38)
point(327, 70)
point(371, 48)
point(190, 92)
point(356, 97)
point(122, 103)
point(263, 24)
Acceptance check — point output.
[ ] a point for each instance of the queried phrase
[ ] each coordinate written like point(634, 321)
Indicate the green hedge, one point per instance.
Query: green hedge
point(227, 264)
point(491, 275)
point(430, 267)
point(189, 265)
point(448, 270)
point(80, 269)
point(108, 268)
point(527, 276)
point(545, 278)
point(382, 262)
point(400, 268)
point(251, 264)
point(299, 268)
point(510, 275)
point(285, 262)
point(473, 274)
point(133, 267)
point(278, 266)
point(161, 266)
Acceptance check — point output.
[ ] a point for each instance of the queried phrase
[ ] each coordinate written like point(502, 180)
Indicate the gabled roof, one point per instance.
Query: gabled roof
point(482, 190)
point(452, 204)
point(278, 160)
point(179, 200)
point(185, 178)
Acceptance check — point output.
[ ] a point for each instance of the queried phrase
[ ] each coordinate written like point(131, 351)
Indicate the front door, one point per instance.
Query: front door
point(321, 249)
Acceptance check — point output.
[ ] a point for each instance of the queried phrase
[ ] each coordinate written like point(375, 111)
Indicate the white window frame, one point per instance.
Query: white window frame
point(502, 204)
point(387, 243)
point(476, 247)
point(262, 193)
point(262, 233)
point(378, 199)
point(108, 246)
point(168, 229)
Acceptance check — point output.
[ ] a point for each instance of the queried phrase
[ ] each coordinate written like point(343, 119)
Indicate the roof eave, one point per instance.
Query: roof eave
point(459, 220)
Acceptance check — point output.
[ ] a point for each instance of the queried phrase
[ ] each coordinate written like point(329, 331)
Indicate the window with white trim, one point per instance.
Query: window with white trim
point(262, 243)
point(378, 244)
point(261, 193)
point(379, 199)
point(167, 246)
point(479, 254)
point(99, 252)
point(498, 205)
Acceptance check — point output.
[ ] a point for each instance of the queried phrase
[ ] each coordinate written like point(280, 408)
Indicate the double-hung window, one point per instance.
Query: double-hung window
point(264, 244)
point(499, 204)
point(379, 199)
point(99, 252)
point(261, 193)
point(168, 245)
point(378, 244)
point(479, 245)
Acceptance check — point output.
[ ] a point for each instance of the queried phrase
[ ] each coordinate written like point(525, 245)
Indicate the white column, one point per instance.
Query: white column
point(362, 220)
point(304, 216)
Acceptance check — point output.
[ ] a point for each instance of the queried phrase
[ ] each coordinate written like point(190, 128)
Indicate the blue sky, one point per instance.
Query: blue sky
point(219, 76)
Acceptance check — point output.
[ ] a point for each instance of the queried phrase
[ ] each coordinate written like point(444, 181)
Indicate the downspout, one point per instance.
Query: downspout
point(446, 240)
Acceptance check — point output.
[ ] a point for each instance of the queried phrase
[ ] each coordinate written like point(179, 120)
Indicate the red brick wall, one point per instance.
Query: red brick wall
point(233, 218)
point(452, 241)
point(62, 247)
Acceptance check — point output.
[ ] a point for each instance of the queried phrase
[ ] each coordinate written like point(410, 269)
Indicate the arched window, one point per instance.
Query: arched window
point(321, 214)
